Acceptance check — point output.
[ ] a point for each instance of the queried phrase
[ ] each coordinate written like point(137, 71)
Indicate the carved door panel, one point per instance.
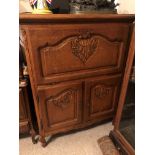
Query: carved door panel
point(60, 106)
point(64, 52)
point(101, 97)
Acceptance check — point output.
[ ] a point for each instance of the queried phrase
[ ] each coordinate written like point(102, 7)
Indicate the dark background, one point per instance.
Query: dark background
point(63, 5)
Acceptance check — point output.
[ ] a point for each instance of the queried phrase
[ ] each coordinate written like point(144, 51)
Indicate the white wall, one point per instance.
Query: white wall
point(24, 6)
point(126, 6)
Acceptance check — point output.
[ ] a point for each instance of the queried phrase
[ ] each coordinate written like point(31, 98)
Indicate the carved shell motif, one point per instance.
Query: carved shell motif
point(101, 91)
point(62, 100)
point(84, 46)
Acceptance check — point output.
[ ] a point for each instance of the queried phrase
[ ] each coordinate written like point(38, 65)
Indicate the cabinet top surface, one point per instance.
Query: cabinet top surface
point(49, 18)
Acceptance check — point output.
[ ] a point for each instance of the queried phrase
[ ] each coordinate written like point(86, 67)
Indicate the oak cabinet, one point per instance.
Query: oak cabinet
point(26, 119)
point(76, 64)
point(23, 113)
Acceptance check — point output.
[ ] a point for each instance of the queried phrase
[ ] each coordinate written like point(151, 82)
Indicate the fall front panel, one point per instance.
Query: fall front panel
point(64, 52)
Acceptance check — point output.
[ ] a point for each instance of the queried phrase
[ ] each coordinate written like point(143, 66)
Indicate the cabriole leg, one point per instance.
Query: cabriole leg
point(43, 141)
point(33, 135)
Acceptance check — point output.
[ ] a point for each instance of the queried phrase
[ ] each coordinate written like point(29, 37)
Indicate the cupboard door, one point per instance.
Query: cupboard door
point(60, 106)
point(101, 96)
